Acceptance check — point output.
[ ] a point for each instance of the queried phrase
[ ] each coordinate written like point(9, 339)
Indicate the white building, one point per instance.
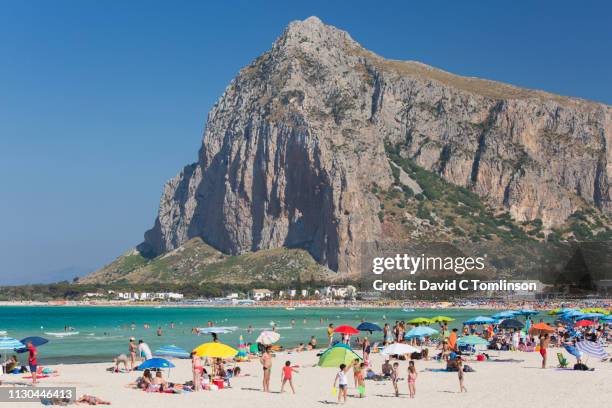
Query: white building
point(260, 294)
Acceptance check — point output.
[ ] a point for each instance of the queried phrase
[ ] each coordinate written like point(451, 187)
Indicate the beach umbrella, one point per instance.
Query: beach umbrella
point(215, 330)
point(399, 349)
point(607, 318)
point(592, 316)
point(592, 349)
point(472, 341)
point(554, 311)
point(479, 320)
point(35, 340)
point(9, 343)
point(504, 315)
point(511, 324)
point(571, 314)
point(345, 329)
point(218, 350)
point(336, 355)
point(526, 312)
point(421, 331)
point(155, 363)
point(268, 337)
point(541, 328)
point(573, 351)
point(369, 327)
point(419, 320)
point(584, 323)
point(441, 319)
point(171, 351)
point(595, 310)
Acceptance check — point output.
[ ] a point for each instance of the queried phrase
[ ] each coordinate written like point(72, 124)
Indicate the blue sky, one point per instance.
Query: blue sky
point(102, 101)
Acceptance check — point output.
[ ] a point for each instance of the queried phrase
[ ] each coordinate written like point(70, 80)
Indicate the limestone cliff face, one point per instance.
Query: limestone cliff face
point(294, 145)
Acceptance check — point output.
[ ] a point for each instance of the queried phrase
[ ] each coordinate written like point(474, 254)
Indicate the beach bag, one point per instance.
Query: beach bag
point(581, 367)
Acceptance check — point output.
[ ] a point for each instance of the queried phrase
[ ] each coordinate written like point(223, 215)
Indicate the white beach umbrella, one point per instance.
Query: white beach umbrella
point(399, 348)
point(268, 337)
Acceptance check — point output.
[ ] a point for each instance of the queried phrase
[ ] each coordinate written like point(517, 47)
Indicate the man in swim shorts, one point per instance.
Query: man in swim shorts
point(266, 363)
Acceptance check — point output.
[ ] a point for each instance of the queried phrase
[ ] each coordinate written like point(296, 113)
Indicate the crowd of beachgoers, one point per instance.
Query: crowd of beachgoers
point(360, 352)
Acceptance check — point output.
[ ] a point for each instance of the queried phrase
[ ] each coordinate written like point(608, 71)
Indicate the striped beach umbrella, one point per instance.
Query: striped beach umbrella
point(9, 343)
point(171, 351)
point(592, 349)
point(268, 337)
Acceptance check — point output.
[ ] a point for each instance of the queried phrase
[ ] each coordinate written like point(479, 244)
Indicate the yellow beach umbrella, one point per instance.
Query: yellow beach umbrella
point(441, 319)
point(419, 320)
point(215, 350)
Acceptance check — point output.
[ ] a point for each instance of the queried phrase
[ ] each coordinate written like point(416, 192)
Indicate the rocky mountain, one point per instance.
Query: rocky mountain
point(322, 145)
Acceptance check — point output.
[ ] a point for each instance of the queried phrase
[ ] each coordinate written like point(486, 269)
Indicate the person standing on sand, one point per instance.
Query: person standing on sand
point(132, 351)
point(196, 370)
point(266, 363)
point(32, 361)
point(287, 376)
point(330, 333)
point(412, 375)
point(342, 382)
point(461, 374)
point(395, 378)
point(365, 347)
point(544, 341)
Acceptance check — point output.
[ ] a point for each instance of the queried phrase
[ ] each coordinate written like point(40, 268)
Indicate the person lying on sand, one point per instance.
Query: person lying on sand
point(92, 400)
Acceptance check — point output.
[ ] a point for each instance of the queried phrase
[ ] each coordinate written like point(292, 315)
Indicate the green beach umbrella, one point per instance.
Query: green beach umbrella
point(441, 319)
point(419, 320)
point(338, 354)
point(555, 311)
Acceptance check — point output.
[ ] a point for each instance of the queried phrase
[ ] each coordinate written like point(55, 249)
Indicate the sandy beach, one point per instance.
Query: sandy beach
point(503, 384)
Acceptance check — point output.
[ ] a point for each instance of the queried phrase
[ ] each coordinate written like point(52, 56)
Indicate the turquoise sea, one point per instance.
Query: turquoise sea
point(104, 331)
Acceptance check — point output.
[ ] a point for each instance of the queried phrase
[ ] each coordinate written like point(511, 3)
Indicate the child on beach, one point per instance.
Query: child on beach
point(395, 378)
point(361, 380)
point(342, 382)
point(287, 376)
point(412, 375)
point(461, 374)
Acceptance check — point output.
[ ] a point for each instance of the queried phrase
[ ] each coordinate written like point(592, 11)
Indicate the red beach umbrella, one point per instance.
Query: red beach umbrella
point(344, 329)
point(584, 323)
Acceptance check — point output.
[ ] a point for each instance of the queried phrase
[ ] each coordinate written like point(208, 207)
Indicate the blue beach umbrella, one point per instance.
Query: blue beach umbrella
point(607, 318)
point(155, 363)
point(421, 331)
point(527, 312)
point(171, 351)
point(479, 320)
point(503, 315)
point(592, 316)
point(572, 314)
point(369, 327)
point(35, 340)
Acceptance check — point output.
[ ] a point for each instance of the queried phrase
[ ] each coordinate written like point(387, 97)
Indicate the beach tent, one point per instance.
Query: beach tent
point(399, 349)
point(213, 350)
point(592, 349)
point(421, 331)
point(511, 324)
point(268, 337)
point(345, 329)
point(441, 319)
point(369, 327)
point(336, 355)
point(479, 320)
point(419, 320)
point(171, 351)
point(155, 363)
point(472, 341)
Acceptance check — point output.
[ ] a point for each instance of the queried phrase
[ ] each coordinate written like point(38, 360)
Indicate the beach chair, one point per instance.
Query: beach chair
point(563, 363)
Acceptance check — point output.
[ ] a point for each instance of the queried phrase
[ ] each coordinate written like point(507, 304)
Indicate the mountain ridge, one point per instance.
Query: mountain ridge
point(296, 143)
